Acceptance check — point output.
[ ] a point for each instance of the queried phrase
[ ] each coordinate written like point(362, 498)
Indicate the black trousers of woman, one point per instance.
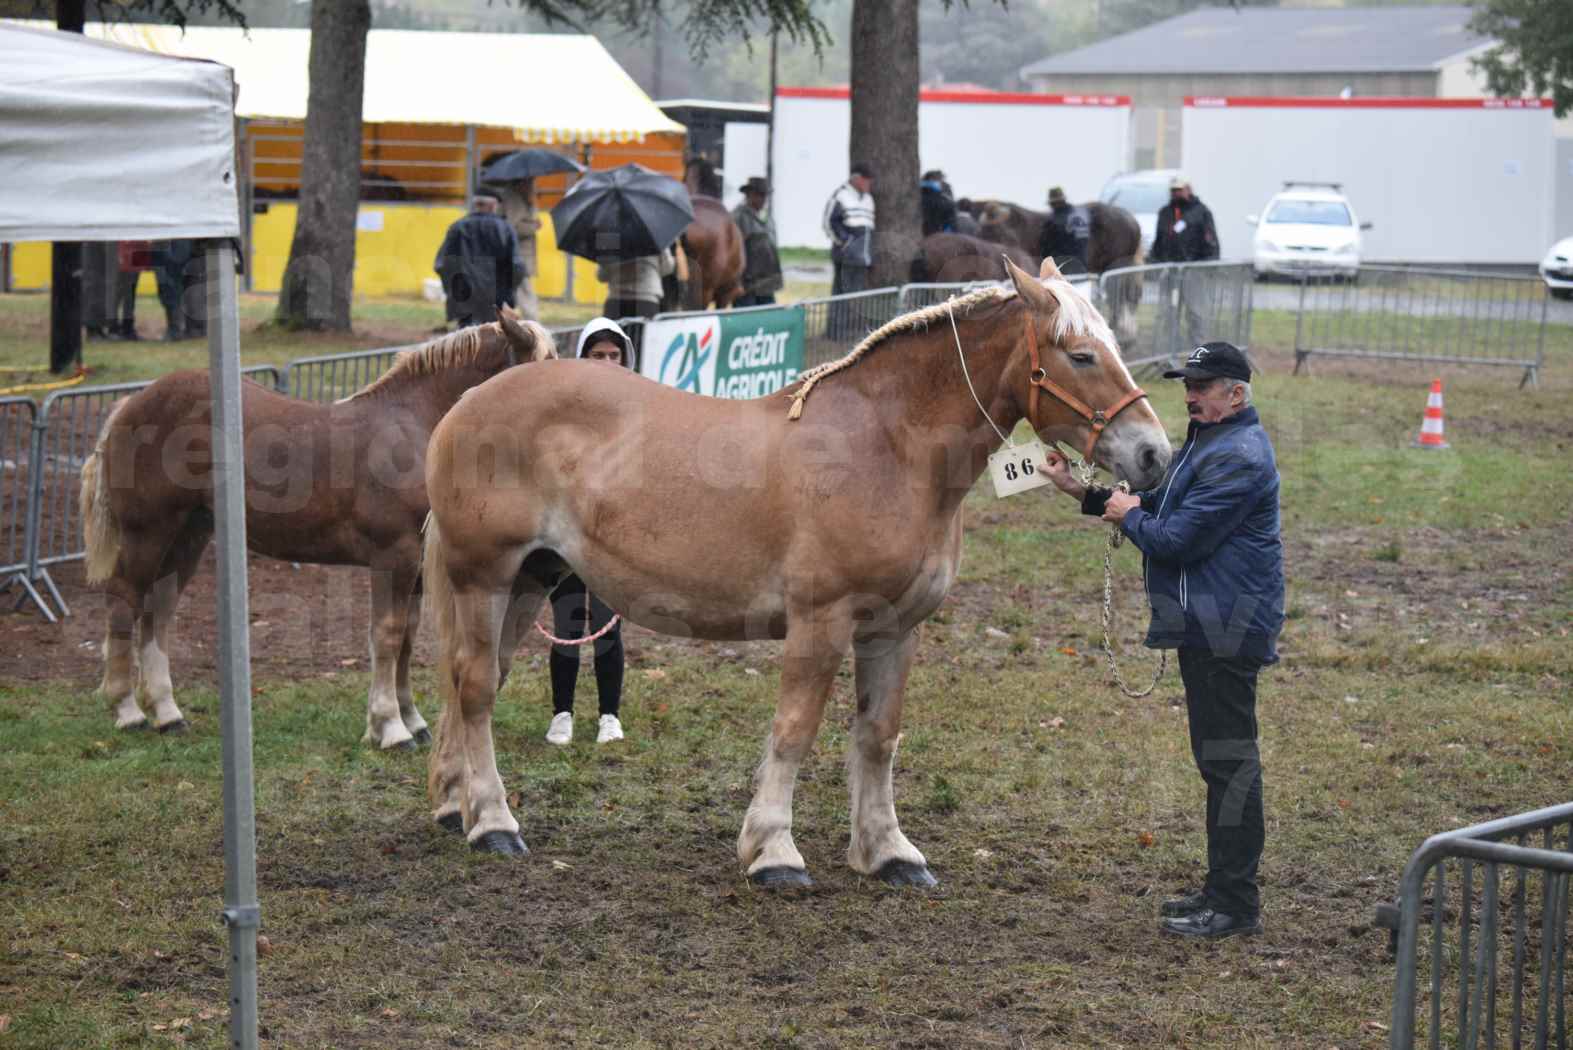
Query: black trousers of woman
point(569, 621)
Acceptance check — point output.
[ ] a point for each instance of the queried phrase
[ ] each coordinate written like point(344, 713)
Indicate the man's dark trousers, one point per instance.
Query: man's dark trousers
point(842, 322)
point(1220, 698)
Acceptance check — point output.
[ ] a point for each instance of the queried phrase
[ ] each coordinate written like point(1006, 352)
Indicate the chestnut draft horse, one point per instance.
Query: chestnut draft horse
point(723, 519)
point(341, 484)
point(715, 256)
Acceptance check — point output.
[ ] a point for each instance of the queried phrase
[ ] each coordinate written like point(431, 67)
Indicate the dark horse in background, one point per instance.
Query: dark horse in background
point(1116, 235)
point(955, 258)
point(339, 484)
point(1116, 243)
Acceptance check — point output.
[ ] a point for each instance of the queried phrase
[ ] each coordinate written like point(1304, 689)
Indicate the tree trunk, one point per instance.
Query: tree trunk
point(65, 257)
point(319, 280)
point(885, 81)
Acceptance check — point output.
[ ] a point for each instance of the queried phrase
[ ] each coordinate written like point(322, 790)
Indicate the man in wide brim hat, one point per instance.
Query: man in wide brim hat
point(761, 261)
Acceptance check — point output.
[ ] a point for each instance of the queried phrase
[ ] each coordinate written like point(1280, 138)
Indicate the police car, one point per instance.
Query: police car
point(1556, 269)
point(1309, 229)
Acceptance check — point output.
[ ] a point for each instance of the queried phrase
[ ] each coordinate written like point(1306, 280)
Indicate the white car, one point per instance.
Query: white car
point(1143, 194)
point(1308, 230)
point(1556, 269)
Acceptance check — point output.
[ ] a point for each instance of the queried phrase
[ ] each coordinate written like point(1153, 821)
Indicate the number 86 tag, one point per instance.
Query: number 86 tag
point(1018, 468)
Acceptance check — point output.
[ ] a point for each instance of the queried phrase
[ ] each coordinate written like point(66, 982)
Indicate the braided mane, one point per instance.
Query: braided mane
point(1076, 316)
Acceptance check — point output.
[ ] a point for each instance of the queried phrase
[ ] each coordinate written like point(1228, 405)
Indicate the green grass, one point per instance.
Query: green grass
point(1424, 686)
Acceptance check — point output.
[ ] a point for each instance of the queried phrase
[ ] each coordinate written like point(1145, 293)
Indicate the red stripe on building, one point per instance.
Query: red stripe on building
point(993, 98)
point(1372, 102)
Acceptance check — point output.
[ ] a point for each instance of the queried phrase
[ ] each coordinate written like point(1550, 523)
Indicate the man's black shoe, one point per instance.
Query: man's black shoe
point(1209, 923)
point(1179, 907)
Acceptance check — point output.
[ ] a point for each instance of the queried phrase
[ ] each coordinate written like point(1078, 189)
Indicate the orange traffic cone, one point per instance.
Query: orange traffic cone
point(1431, 426)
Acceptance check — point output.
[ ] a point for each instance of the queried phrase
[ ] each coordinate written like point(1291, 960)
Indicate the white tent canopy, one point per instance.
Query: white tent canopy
point(491, 79)
point(103, 142)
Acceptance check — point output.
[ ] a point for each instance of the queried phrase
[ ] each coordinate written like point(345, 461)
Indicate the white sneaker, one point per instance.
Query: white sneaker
point(561, 730)
point(610, 730)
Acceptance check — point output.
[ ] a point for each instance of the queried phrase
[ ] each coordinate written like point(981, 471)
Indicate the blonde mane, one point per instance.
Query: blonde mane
point(1076, 316)
point(453, 350)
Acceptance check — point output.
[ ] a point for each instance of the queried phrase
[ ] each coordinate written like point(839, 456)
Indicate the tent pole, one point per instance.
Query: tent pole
point(241, 911)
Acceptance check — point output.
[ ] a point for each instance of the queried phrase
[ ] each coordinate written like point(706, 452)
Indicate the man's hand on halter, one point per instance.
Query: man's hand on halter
point(1119, 503)
point(1059, 472)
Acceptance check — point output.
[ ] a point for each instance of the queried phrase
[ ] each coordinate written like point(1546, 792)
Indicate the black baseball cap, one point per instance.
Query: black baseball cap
point(1214, 361)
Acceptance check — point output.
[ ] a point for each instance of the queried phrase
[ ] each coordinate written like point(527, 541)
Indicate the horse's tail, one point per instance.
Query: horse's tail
point(437, 608)
point(99, 524)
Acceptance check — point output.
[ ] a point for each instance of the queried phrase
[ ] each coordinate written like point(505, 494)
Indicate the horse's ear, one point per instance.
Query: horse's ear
point(529, 341)
point(1049, 269)
point(1032, 293)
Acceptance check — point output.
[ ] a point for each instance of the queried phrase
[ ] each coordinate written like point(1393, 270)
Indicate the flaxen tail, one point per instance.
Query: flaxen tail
point(99, 526)
point(437, 608)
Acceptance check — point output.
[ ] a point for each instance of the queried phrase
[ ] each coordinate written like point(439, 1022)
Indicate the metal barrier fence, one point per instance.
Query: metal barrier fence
point(65, 429)
point(17, 417)
point(1473, 997)
point(834, 324)
point(1441, 316)
point(1160, 312)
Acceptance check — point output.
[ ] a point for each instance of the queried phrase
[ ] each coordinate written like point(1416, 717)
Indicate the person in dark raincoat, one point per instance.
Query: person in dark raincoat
point(937, 203)
point(480, 264)
point(1066, 233)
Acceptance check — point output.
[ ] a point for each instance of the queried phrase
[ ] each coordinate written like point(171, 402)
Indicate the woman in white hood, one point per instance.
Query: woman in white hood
point(576, 612)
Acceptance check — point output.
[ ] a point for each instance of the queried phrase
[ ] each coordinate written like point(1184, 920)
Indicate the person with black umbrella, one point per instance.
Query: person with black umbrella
point(511, 176)
point(633, 286)
point(479, 264)
point(625, 219)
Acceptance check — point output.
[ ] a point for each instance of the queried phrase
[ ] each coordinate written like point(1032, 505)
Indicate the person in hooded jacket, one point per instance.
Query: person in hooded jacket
point(937, 203)
point(576, 613)
point(1212, 559)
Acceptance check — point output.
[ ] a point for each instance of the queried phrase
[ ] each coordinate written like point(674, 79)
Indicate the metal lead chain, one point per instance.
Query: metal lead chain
point(1115, 538)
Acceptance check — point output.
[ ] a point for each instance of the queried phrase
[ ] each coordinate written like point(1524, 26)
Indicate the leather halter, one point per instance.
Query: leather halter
point(1039, 378)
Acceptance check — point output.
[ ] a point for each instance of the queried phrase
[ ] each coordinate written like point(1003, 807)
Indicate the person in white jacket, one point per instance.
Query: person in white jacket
point(849, 223)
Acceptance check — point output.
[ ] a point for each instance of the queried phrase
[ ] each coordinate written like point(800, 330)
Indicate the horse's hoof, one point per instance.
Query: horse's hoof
point(781, 878)
point(402, 745)
point(423, 736)
point(906, 873)
point(175, 728)
point(508, 843)
point(452, 821)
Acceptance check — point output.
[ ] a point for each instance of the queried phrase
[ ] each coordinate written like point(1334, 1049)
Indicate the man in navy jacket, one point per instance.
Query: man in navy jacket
point(1213, 566)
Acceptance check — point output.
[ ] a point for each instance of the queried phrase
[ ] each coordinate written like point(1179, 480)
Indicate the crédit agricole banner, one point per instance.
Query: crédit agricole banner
point(747, 354)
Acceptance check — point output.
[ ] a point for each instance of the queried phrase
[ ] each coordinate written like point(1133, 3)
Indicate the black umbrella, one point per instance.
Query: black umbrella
point(621, 214)
point(528, 164)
